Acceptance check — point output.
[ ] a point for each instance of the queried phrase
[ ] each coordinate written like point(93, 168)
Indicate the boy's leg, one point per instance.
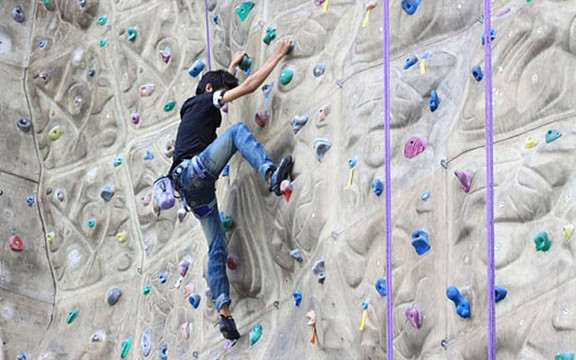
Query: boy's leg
point(237, 138)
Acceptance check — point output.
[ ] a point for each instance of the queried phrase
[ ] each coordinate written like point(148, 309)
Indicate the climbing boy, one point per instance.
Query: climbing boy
point(200, 156)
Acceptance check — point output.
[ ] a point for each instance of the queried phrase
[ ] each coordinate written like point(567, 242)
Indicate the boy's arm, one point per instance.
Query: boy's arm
point(254, 81)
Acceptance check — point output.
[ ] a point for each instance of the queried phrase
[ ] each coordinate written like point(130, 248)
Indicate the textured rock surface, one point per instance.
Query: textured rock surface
point(91, 92)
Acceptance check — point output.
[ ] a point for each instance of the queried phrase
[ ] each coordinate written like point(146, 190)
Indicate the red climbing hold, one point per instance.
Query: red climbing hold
point(16, 243)
point(232, 262)
point(262, 117)
point(286, 189)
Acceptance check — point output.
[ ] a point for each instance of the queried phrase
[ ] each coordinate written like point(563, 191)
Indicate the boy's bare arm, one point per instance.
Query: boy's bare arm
point(254, 81)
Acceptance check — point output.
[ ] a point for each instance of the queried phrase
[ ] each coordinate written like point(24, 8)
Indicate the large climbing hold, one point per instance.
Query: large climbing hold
point(126, 344)
point(410, 61)
point(433, 101)
point(564, 356)
point(414, 317)
point(542, 241)
point(297, 123)
point(244, 9)
point(113, 296)
point(410, 6)
point(477, 73)
point(420, 241)
point(196, 68)
point(194, 300)
point(318, 270)
point(465, 177)
point(377, 186)
point(255, 334)
point(146, 341)
point(262, 118)
point(414, 146)
point(460, 302)
point(286, 76)
point(286, 189)
point(297, 295)
point(245, 64)
point(15, 243)
point(499, 293)
point(18, 14)
point(552, 135)
point(270, 35)
point(381, 286)
point(321, 146)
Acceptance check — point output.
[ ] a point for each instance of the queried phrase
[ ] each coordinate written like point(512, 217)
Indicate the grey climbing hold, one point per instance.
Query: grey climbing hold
point(146, 341)
point(267, 89)
point(82, 3)
point(113, 296)
point(319, 70)
point(163, 352)
point(296, 255)
point(107, 192)
point(318, 270)
point(321, 146)
point(297, 122)
point(24, 124)
point(91, 72)
point(18, 14)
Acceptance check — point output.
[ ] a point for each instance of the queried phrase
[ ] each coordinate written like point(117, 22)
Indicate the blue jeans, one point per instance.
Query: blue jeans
point(196, 184)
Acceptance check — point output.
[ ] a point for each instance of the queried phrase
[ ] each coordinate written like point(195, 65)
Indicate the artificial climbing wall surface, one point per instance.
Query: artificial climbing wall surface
point(76, 187)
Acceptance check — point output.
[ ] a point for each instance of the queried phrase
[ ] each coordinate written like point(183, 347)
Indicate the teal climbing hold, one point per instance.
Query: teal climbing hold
point(564, 356)
point(169, 105)
point(102, 20)
point(118, 160)
point(126, 344)
point(146, 290)
point(542, 241)
point(91, 223)
point(46, 2)
point(227, 222)
point(244, 9)
point(286, 76)
point(132, 33)
point(72, 315)
point(270, 35)
point(102, 42)
point(552, 135)
point(245, 64)
point(255, 334)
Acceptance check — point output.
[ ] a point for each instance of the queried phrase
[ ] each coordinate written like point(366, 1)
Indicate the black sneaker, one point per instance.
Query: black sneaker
point(228, 328)
point(281, 173)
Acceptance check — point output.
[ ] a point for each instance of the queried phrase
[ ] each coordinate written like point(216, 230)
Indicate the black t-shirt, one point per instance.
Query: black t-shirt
point(200, 117)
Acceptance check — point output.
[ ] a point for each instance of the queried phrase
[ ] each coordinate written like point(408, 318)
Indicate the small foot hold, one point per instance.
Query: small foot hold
point(229, 344)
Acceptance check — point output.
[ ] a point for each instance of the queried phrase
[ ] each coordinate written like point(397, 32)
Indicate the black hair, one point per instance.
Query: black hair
point(219, 79)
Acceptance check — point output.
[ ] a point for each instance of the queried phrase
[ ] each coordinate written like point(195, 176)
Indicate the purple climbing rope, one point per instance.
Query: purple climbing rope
point(207, 34)
point(389, 298)
point(489, 182)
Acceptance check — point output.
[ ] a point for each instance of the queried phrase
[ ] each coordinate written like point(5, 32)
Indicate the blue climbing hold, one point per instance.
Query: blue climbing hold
point(462, 305)
point(162, 277)
point(552, 135)
point(22, 356)
point(477, 73)
point(297, 297)
point(30, 200)
point(194, 300)
point(433, 101)
point(425, 196)
point(148, 155)
point(377, 186)
point(381, 286)
point(426, 55)
point(500, 293)
point(412, 60)
point(493, 33)
point(564, 356)
point(42, 44)
point(365, 305)
point(352, 162)
point(163, 352)
point(196, 68)
point(410, 6)
point(420, 241)
point(216, 19)
point(226, 170)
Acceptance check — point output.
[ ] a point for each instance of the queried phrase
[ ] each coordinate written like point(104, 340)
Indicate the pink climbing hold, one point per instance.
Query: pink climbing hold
point(181, 214)
point(146, 90)
point(232, 262)
point(323, 112)
point(169, 148)
point(503, 12)
point(135, 118)
point(414, 146)
point(189, 289)
point(286, 189)
point(165, 54)
point(146, 199)
point(262, 118)
point(465, 177)
point(311, 316)
point(183, 267)
point(185, 330)
point(15, 243)
point(414, 317)
point(371, 5)
point(225, 108)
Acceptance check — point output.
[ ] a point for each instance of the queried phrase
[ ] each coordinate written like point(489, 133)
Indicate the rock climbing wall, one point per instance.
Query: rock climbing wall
point(89, 271)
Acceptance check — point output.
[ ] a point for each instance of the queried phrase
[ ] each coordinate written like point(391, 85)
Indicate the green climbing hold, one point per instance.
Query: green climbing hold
point(91, 223)
point(286, 76)
point(564, 356)
point(270, 35)
point(552, 135)
point(227, 222)
point(244, 9)
point(103, 42)
point(102, 20)
point(169, 105)
point(542, 241)
point(72, 315)
point(132, 33)
point(126, 344)
point(255, 334)
point(146, 289)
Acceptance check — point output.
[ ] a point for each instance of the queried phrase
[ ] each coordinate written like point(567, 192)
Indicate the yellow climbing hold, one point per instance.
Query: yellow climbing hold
point(325, 8)
point(363, 320)
point(56, 132)
point(50, 237)
point(567, 230)
point(122, 236)
point(531, 142)
point(422, 66)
